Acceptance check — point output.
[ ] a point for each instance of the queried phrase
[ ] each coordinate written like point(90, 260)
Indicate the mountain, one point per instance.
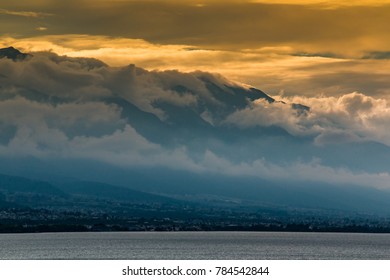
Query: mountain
point(111, 192)
point(244, 191)
point(12, 53)
point(98, 133)
point(16, 191)
point(15, 184)
point(181, 188)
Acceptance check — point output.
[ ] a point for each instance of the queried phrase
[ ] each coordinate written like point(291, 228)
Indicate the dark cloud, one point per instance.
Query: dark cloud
point(377, 55)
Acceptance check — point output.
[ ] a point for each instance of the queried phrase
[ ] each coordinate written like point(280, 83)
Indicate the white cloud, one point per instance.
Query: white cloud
point(262, 113)
point(349, 118)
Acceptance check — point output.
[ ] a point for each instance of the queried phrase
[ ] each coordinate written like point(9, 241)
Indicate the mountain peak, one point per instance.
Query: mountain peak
point(12, 53)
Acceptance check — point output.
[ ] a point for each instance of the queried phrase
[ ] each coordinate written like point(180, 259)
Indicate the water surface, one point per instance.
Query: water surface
point(195, 245)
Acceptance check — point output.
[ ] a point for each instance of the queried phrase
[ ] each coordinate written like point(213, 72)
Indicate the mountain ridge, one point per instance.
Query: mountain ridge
point(13, 54)
point(190, 135)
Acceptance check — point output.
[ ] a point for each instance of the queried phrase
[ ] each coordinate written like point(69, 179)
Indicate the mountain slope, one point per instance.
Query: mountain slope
point(110, 192)
point(12, 53)
point(16, 184)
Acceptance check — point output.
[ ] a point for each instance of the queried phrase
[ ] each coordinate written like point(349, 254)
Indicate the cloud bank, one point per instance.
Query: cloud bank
point(349, 118)
point(55, 107)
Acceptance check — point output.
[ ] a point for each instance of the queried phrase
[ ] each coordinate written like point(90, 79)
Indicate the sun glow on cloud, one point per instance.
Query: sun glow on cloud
point(303, 49)
point(274, 69)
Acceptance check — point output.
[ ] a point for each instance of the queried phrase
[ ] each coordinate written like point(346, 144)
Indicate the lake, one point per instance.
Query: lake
point(195, 245)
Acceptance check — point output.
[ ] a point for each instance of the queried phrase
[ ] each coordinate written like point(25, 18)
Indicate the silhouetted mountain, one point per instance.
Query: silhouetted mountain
point(12, 53)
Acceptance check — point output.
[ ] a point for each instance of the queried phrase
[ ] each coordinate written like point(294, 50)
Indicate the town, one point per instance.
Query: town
point(189, 218)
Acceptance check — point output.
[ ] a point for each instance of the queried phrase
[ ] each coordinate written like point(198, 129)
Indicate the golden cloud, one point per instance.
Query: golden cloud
point(274, 69)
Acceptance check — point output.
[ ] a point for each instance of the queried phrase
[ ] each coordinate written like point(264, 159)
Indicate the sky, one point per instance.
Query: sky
point(332, 56)
point(285, 47)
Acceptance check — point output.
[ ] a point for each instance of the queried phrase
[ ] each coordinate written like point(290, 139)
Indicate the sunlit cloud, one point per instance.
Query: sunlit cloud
point(41, 28)
point(24, 13)
point(274, 69)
